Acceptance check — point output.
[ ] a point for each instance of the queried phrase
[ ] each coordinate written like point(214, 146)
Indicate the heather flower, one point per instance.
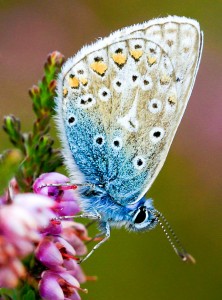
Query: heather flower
point(58, 243)
point(61, 241)
point(79, 274)
point(66, 199)
point(11, 268)
point(28, 213)
point(75, 234)
point(19, 231)
point(59, 286)
point(53, 251)
point(2, 200)
point(54, 228)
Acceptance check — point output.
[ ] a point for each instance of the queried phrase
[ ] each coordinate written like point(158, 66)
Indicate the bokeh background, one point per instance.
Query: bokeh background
point(188, 189)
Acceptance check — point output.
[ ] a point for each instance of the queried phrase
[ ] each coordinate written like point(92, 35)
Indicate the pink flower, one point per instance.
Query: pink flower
point(2, 200)
point(59, 286)
point(66, 199)
point(75, 234)
point(28, 213)
point(54, 228)
point(54, 251)
point(11, 268)
point(33, 221)
point(79, 274)
point(20, 222)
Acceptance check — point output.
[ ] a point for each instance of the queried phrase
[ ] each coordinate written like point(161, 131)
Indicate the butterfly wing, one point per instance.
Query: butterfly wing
point(121, 100)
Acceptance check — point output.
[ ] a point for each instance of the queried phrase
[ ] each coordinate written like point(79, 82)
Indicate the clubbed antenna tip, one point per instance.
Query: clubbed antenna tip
point(173, 239)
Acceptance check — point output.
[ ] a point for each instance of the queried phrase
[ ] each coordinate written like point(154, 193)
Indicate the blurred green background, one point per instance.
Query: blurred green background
point(188, 189)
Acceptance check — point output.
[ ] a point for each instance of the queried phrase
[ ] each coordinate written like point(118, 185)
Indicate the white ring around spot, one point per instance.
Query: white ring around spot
point(72, 123)
point(156, 134)
point(96, 137)
point(137, 160)
point(154, 105)
point(104, 94)
point(117, 148)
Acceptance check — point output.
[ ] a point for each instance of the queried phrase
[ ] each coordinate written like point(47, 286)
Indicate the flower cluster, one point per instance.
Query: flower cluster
point(29, 224)
point(20, 222)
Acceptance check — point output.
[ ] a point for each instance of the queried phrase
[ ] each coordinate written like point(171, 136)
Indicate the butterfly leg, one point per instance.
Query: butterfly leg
point(107, 235)
point(95, 216)
point(66, 185)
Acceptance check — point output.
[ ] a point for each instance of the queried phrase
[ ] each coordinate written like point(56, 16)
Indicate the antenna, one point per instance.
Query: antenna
point(173, 239)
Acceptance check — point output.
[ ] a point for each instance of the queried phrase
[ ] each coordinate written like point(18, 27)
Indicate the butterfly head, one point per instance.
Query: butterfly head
point(143, 216)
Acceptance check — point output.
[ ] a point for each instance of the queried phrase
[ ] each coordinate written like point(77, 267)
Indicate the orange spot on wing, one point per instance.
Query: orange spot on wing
point(73, 82)
point(84, 81)
point(151, 60)
point(119, 59)
point(99, 67)
point(136, 54)
point(65, 92)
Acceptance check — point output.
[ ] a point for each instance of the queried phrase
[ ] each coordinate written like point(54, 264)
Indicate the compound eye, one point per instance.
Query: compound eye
point(141, 215)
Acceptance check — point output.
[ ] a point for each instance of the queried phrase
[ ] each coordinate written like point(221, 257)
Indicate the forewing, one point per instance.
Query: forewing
point(121, 100)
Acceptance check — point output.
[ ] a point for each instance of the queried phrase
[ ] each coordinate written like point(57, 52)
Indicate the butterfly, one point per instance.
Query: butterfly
point(119, 104)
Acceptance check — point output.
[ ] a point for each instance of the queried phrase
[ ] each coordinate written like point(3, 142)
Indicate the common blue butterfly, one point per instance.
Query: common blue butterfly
point(120, 101)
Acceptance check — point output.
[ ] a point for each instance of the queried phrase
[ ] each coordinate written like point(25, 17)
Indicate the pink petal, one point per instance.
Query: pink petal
point(70, 250)
point(75, 296)
point(48, 253)
point(78, 274)
point(49, 288)
point(70, 279)
point(11, 273)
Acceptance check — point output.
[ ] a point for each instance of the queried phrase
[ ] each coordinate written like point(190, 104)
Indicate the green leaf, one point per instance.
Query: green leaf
point(30, 295)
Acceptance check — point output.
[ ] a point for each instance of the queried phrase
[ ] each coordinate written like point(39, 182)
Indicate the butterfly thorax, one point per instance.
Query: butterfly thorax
point(99, 202)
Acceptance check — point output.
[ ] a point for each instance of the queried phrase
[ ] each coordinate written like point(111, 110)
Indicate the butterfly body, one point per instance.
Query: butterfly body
point(117, 215)
point(119, 104)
